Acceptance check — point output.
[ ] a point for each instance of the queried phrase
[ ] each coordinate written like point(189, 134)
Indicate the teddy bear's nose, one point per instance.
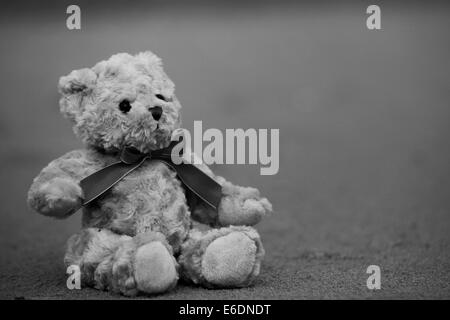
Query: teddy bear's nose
point(156, 112)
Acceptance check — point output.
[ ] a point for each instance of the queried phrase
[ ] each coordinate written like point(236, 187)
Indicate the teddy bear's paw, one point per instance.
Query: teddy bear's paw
point(155, 268)
point(57, 198)
point(244, 206)
point(232, 260)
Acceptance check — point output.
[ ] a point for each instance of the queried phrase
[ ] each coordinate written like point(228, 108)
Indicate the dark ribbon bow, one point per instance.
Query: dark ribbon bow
point(193, 178)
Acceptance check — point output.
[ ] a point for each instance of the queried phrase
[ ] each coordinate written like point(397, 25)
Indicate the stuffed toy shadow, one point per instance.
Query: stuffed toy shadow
point(147, 230)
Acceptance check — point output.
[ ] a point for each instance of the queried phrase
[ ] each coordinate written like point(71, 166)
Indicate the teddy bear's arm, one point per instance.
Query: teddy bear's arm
point(56, 191)
point(239, 205)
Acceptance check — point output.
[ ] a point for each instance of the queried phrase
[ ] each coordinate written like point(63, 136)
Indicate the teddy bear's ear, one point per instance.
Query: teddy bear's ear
point(73, 87)
point(78, 81)
point(150, 58)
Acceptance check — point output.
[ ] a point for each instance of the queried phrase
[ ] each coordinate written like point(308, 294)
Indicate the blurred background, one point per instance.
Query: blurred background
point(364, 125)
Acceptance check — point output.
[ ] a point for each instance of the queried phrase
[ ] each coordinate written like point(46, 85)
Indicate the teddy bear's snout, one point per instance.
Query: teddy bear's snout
point(156, 112)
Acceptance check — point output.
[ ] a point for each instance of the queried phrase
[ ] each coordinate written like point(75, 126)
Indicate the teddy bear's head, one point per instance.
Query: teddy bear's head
point(124, 101)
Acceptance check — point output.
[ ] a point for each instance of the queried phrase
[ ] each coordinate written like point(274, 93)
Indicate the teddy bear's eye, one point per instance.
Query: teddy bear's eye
point(161, 97)
point(124, 106)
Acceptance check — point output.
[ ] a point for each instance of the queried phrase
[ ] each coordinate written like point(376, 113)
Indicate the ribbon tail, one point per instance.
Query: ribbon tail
point(99, 182)
point(205, 187)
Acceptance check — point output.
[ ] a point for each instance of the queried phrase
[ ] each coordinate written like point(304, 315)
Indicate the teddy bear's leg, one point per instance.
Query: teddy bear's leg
point(123, 264)
point(93, 251)
point(225, 257)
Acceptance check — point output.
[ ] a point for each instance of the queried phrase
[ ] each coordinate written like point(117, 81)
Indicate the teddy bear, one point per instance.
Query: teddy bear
point(146, 232)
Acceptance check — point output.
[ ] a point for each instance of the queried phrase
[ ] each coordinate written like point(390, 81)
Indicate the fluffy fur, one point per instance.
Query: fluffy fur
point(142, 236)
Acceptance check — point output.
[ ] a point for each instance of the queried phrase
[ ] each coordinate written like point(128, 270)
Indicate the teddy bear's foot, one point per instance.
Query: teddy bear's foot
point(230, 260)
point(144, 265)
point(226, 257)
point(123, 264)
point(155, 268)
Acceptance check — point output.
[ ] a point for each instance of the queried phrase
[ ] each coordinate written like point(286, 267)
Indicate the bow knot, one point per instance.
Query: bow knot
point(202, 185)
point(131, 155)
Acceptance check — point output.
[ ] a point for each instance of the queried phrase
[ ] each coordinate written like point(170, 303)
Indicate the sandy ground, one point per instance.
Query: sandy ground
point(364, 124)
